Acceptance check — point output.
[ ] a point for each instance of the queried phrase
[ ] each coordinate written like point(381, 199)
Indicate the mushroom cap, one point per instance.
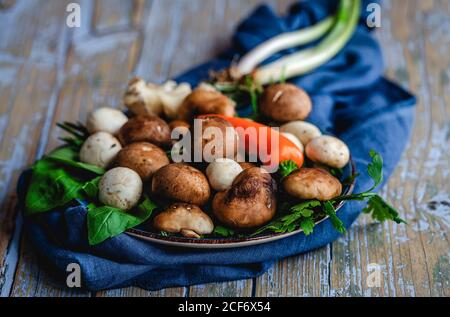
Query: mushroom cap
point(181, 182)
point(294, 140)
point(179, 124)
point(142, 157)
point(312, 183)
point(249, 202)
point(218, 139)
point(187, 219)
point(206, 101)
point(145, 128)
point(222, 172)
point(120, 187)
point(304, 131)
point(106, 119)
point(246, 165)
point(182, 126)
point(285, 102)
point(328, 150)
point(100, 149)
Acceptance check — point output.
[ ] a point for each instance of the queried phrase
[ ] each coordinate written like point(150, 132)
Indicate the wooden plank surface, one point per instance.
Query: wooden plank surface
point(49, 72)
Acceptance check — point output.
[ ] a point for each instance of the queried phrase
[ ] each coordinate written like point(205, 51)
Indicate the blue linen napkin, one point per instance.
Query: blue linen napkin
point(351, 99)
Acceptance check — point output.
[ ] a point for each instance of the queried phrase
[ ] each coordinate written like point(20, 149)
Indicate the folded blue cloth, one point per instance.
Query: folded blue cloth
point(351, 99)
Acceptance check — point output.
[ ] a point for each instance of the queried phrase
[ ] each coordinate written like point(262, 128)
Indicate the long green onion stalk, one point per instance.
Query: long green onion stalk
point(340, 29)
point(278, 43)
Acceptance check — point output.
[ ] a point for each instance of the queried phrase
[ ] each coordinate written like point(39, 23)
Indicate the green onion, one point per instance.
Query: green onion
point(278, 43)
point(308, 59)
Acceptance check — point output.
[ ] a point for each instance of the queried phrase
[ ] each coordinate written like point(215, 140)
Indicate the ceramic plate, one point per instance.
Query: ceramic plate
point(145, 232)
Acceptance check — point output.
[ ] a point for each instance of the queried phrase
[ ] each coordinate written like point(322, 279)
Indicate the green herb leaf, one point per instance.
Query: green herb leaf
point(91, 188)
point(250, 87)
point(223, 231)
point(331, 212)
point(68, 155)
point(106, 222)
point(292, 220)
point(52, 186)
point(304, 208)
point(307, 225)
point(146, 206)
point(380, 210)
point(336, 172)
point(77, 131)
point(350, 179)
point(375, 169)
point(287, 167)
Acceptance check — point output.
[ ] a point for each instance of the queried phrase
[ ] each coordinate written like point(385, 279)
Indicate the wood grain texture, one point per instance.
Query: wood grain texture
point(28, 75)
point(50, 73)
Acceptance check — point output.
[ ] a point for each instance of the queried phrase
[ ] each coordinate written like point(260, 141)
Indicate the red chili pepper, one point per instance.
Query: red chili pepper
point(286, 149)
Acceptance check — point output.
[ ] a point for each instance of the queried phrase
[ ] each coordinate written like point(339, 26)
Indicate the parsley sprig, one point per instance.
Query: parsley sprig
point(287, 167)
point(305, 214)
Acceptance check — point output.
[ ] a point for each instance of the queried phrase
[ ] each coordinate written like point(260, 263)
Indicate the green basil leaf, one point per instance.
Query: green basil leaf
point(51, 186)
point(91, 188)
point(68, 155)
point(106, 222)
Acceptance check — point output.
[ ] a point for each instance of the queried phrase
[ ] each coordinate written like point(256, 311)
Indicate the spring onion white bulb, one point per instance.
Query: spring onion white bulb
point(278, 43)
point(308, 59)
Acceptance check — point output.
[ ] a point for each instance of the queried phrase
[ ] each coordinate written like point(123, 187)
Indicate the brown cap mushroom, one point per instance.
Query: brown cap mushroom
point(181, 182)
point(246, 165)
point(206, 101)
point(179, 124)
point(312, 183)
point(285, 102)
point(221, 145)
point(143, 158)
point(145, 128)
point(187, 219)
point(249, 202)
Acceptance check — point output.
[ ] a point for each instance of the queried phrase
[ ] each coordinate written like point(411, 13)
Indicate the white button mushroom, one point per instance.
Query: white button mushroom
point(106, 119)
point(100, 149)
point(222, 172)
point(304, 131)
point(328, 150)
point(294, 140)
point(120, 187)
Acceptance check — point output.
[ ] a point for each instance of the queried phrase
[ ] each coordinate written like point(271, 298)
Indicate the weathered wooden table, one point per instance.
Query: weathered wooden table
point(50, 73)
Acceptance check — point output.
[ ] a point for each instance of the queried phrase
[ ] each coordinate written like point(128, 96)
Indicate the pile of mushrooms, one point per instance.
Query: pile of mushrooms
point(240, 195)
point(289, 105)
